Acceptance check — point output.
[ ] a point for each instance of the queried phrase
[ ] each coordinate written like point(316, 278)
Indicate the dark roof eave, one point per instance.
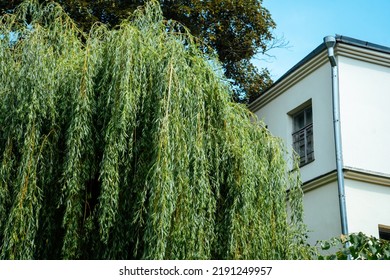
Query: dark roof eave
point(307, 58)
point(362, 44)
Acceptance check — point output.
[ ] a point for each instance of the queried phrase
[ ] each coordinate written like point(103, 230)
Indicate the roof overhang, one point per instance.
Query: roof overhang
point(345, 46)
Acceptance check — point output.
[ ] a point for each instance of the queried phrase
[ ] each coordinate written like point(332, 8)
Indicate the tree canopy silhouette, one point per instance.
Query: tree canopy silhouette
point(235, 30)
point(125, 144)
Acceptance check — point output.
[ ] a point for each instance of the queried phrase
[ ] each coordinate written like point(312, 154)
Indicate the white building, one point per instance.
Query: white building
point(349, 192)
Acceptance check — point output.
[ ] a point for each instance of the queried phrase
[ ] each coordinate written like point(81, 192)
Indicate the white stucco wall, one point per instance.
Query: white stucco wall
point(321, 213)
point(365, 120)
point(365, 114)
point(317, 87)
point(367, 206)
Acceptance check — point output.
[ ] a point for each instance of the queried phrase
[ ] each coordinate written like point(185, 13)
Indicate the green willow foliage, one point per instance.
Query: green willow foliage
point(124, 144)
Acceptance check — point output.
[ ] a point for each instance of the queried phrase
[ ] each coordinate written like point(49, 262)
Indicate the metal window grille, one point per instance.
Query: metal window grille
point(303, 136)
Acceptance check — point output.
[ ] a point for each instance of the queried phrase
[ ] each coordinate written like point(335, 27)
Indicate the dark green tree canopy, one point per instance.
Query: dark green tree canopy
point(125, 145)
point(236, 30)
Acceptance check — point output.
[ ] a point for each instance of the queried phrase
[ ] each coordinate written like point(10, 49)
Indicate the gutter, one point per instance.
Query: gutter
point(330, 42)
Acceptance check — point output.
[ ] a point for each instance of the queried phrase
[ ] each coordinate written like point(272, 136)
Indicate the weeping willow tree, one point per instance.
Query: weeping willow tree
point(125, 144)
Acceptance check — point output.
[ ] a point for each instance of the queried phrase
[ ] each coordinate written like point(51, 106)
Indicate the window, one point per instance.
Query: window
point(384, 232)
point(303, 135)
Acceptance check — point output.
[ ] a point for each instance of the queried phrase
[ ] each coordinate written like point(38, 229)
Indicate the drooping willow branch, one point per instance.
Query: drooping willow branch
point(124, 144)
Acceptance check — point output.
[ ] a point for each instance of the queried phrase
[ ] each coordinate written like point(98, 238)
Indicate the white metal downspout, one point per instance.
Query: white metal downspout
point(330, 42)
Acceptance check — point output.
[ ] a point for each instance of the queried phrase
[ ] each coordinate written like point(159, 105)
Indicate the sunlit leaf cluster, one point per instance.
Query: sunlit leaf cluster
point(355, 246)
point(125, 144)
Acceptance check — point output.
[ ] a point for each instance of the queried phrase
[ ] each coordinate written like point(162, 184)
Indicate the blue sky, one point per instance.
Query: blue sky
point(304, 24)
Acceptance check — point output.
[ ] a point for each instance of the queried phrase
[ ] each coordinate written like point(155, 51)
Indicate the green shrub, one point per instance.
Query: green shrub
point(356, 246)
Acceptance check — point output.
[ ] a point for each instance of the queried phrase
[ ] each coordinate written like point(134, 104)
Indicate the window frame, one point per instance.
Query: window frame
point(303, 133)
point(384, 232)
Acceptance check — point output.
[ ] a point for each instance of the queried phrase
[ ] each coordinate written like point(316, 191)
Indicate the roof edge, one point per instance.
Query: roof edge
point(340, 39)
point(363, 44)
